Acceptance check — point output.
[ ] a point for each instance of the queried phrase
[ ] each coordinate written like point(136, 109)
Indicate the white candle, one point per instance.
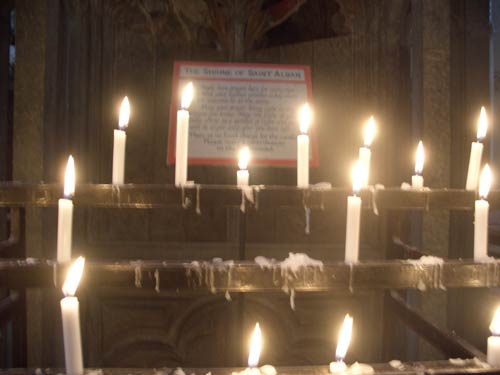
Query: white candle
point(493, 351)
point(182, 136)
point(242, 175)
point(476, 152)
point(303, 147)
point(365, 152)
point(343, 342)
point(481, 216)
point(120, 140)
point(65, 215)
point(71, 320)
point(353, 217)
point(417, 180)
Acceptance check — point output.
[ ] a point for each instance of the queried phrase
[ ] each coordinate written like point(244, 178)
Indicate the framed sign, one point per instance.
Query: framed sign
point(235, 105)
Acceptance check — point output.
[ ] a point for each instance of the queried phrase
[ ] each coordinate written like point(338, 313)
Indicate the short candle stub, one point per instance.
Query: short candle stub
point(337, 367)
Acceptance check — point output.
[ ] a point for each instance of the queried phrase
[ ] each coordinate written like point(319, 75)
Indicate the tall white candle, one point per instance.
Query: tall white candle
point(476, 152)
point(120, 140)
point(365, 152)
point(243, 176)
point(481, 216)
point(303, 147)
point(71, 320)
point(343, 342)
point(182, 136)
point(417, 180)
point(65, 215)
point(353, 217)
point(493, 351)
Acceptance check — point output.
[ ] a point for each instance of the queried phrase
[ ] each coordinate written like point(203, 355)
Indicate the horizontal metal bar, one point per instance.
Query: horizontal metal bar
point(414, 368)
point(250, 277)
point(449, 343)
point(151, 196)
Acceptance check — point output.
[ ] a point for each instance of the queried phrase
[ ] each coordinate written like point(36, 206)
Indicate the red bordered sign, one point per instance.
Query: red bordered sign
point(242, 104)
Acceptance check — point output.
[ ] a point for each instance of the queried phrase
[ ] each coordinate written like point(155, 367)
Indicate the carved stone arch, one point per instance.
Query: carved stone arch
point(140, 349)
point(202, 332)
point(279, 324)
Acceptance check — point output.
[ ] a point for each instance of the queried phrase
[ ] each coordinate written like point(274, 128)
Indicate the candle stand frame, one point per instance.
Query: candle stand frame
point(245, 276)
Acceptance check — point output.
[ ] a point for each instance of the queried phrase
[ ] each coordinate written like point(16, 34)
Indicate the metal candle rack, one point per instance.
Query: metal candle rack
point(244, 276)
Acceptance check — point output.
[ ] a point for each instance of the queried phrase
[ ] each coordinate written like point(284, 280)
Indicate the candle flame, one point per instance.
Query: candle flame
point(344, 338)
point(482, 124)
point(255, 347)
point(124, 113)
point(69, 178)
point(73, 278)
point(358, 176)
point(370, 130)
point(305, 116)
point(485, 182)
point(495, 323)
point(419, 159)
point(187, 95)
point(244, 158)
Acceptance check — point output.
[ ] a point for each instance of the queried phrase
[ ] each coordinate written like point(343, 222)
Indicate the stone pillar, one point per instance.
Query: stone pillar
point(431, 123)
point(29, 96)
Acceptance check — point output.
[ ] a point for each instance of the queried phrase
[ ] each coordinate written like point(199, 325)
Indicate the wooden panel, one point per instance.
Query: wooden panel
point(134, 329)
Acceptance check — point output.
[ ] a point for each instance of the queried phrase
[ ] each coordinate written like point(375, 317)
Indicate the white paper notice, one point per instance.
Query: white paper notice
point(243, 104)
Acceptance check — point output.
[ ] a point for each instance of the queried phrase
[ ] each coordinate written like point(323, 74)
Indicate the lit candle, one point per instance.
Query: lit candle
point(481, 216)
point(417, 180)
point(254, 356)
point(342, 346)
point(71, 320)
point(182, 136)
point(365, 152)
point(303, 147)
point(493, 351)
point(65, 215)
point(243, 176)
point(255, 347)
point(120, 140)
point(353, 216)
point(476, 152)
